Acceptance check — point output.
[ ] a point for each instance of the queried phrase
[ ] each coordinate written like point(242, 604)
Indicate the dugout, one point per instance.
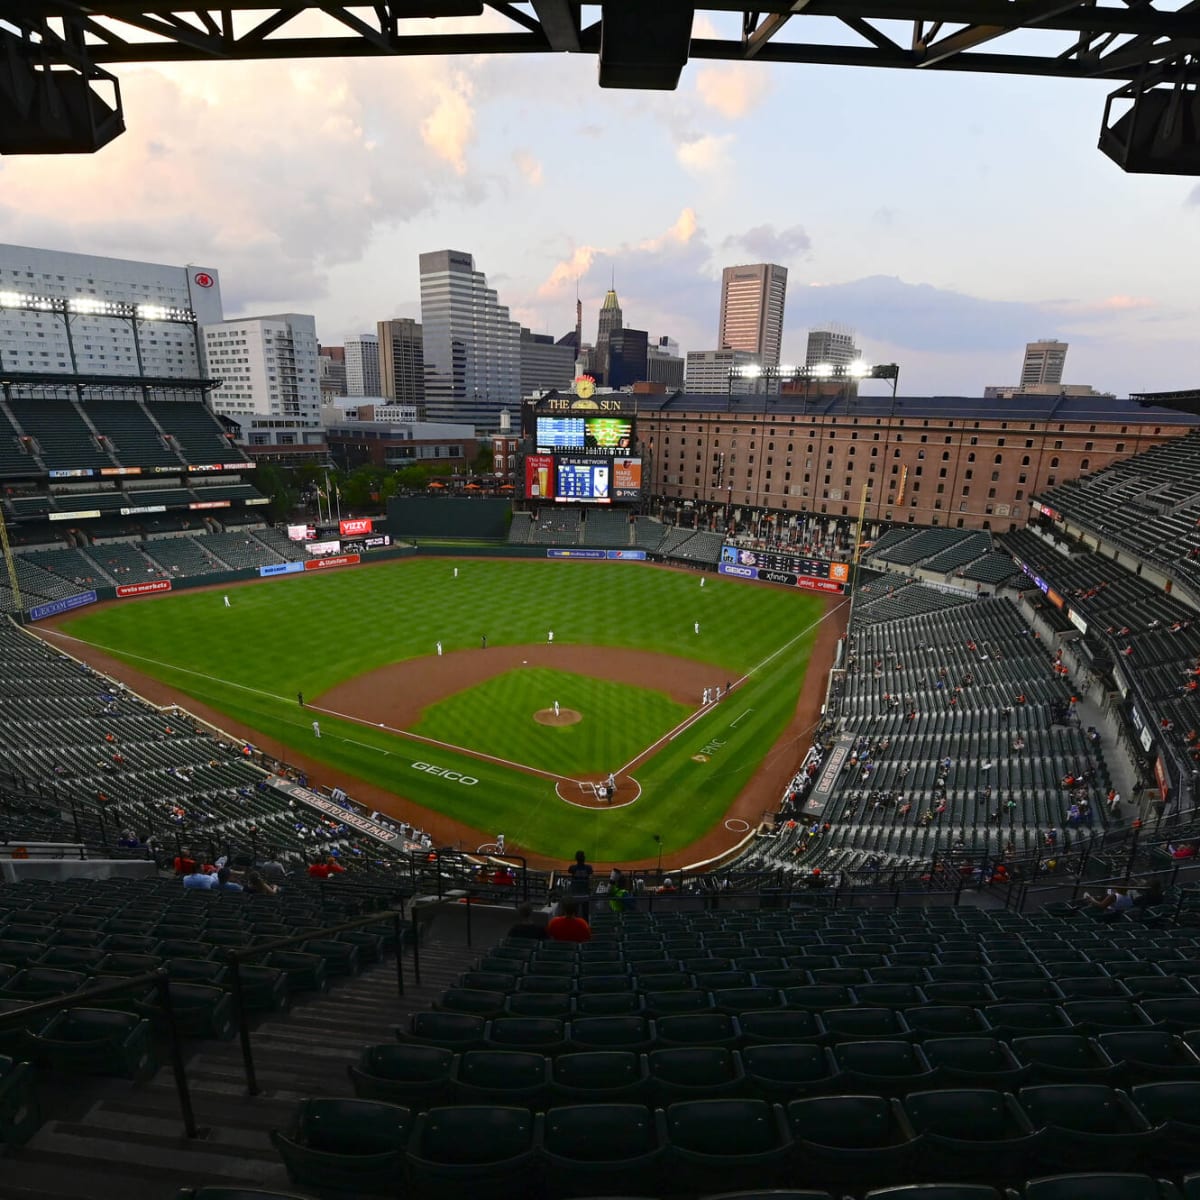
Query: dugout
point(449, 516)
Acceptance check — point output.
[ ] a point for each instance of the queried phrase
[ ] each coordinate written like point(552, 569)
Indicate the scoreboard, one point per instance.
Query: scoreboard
point(794, 570)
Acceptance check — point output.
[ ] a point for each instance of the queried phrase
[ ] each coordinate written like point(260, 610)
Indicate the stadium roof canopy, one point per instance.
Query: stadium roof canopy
point(57, 96)
point(1106, 410)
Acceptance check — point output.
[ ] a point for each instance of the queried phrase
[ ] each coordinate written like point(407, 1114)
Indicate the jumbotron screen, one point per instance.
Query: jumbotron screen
point(582, 479)
point(794, 564)
point(585, 435)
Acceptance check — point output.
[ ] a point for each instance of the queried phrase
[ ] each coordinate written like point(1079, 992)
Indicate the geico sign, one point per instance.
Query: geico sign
point(456, 776)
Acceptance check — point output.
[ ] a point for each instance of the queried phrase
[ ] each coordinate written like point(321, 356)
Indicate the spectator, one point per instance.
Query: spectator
point(226, 882)
point(257, 885)
point(568, 926)
point(1183, 850)
point(1116, 902)
point(202, 879)
point(525, 926)
point(580, 886)
point(323, 868)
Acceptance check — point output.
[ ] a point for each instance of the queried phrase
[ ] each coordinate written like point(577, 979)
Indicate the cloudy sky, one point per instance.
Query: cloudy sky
point(946, 218)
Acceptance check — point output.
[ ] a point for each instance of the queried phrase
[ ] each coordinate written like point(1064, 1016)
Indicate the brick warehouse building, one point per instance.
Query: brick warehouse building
point(957, 461)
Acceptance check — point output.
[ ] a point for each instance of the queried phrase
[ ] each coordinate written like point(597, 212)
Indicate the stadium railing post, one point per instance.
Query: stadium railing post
point(163, 986)
point(239, 1010)
point(396, 915)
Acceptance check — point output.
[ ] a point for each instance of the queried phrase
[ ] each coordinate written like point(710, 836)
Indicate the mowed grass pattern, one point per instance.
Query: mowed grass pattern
point(307, 633)
point(497, 717)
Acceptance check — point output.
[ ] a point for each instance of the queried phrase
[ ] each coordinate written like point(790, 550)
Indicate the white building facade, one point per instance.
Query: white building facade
point(67, 313)
point(362, 365)
point(472, 346)
point(269, 379)
point(729, 372)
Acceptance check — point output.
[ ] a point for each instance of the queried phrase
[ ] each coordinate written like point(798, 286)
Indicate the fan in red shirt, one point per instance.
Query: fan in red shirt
point(568, 926)
point(324, 868)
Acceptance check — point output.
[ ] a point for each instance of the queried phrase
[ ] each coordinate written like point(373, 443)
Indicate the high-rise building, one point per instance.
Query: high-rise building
point(721, 371)
point(362, 365)
point(832, 347)
point(80, 314)
point(611, 319)
point(664, 363)
point(1044, 362)
point(402, 361)
point(627, 354)
point(472, 345)
point(752, 300)
point(269, 377)
point(331, 371)
point(545, 363)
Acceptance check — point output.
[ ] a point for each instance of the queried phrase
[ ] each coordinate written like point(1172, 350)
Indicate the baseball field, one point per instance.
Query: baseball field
point(401, 692)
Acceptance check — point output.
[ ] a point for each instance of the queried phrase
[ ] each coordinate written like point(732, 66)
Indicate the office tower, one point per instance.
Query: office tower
point(611, 319)
point(472, 345)
point(362, 365)
point(402, 360)
point(64, 313)
point(269, 376)
point(545, 363)
point(832, 347)
point(331, 371)
point(721, 371)
point(1044, 362)
point(664, 363)
point(627, 354)
point(752, 300)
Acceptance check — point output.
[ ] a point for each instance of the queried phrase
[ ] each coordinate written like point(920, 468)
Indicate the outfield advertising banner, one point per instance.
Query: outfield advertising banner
point(626, 555)
point(334, 560)
point(126, 590)
point(287, 568)
point(576, 554)
point(791, 564)
point(786, 578)
point(355, 527)
point(51, 609)
point(322, 804)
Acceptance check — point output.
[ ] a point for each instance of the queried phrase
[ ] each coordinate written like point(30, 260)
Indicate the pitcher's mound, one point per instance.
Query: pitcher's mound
point(565, 716)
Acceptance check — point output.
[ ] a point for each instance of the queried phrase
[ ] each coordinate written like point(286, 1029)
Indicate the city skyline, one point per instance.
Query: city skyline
point(937, 252)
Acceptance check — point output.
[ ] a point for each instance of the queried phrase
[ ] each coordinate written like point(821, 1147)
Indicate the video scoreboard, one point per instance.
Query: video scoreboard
point(792, 570)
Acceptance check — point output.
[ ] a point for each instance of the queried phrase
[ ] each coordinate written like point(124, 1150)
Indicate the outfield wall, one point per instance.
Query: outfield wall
point(449, 516)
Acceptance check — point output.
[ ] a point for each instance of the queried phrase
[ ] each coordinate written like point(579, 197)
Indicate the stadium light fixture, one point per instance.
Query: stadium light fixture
point(859, 369)
point(823, 370)
point(151, 312)
point(751, 371)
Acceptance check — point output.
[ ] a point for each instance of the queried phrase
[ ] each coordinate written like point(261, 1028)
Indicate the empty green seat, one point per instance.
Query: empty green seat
point(470, 1000)
point(850, 1141)
point(611, 1033)
point(485, 1150)
point(340, 958)
point(865, 1024)
point(1065, 1058)
point(411, 1075)
point(586, 1149)
point(94, 1041)
point(1025, 1019)
point(501, 1077)
point(1147, 1055)
point(975, 1061)
point(699, 1029)
point(538, 1004)
point(20, 1115)
point(199, 1010)
point(935, 1191)
point(662, 1004)
point(545, 1034)
point(354, 1146)
point(694, 1073)
point(1173, 1107)
point(883, 1068)
point(945, 1020)
point(305, 972)
point(788, 1070)
point(599, 1077)
point(971, 1133)
point(197, 970)
point(453, 1031)
point(603, 1004)
point(1089, 1125)
point(719, 1144)
point(1095, 1186)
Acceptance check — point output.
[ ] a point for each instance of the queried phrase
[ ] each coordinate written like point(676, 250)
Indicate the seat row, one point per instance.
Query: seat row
point(831, 1143)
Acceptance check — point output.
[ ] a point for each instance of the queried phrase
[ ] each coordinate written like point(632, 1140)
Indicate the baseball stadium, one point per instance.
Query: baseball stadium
point(786, 791)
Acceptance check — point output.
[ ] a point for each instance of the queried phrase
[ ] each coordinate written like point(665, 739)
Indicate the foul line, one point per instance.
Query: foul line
point(734, 724)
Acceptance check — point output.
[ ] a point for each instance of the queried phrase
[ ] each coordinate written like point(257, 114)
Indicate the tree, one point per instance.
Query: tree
point(484, 460)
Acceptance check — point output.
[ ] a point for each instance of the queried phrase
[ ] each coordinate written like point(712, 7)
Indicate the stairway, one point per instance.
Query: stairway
point(111, 1138)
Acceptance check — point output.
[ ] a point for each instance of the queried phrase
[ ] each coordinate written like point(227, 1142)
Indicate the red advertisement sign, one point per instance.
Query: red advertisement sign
point(819, 585)
point(143, 589)
point(539, 476)
point(356, 526)
point(1160, 776)
point(334, 560)
point(210, 504)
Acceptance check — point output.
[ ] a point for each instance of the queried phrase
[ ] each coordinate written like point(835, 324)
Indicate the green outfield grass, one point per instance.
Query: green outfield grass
point(308, 633)
point(496, 717)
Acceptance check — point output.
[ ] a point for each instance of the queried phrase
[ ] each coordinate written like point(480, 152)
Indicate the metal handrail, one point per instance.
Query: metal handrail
point(88, 995)
point(235, 957)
